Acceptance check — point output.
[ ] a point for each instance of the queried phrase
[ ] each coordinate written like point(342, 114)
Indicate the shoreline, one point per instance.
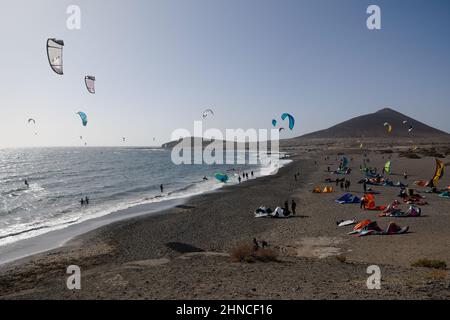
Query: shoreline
point(185, 254)
point(54, 239)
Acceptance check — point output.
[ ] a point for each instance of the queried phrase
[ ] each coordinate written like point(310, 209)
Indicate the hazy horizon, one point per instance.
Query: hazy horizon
point(160, 64)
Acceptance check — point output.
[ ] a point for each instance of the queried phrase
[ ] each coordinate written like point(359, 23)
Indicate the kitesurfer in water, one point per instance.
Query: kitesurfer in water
point(26, 183)
point(205, 178)
point(162, 188)
point(82, 201)
point(86, 200)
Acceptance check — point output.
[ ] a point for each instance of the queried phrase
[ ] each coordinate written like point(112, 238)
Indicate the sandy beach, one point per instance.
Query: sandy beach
point(184, 252)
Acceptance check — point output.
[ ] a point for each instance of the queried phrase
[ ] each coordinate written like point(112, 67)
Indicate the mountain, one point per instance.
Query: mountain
point(372, 126)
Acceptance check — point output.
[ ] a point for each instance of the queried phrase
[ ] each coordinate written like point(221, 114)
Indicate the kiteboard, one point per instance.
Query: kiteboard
point(344, 223)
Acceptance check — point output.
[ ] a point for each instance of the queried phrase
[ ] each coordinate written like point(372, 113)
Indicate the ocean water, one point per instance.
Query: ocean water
point(113, 178)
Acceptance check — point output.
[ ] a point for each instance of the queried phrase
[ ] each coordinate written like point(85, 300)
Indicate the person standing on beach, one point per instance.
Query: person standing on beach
point(161, 187)
point(365, 186)
point(293, 206)
point(363, 203)
point(286, 207)
point(239, 179)
point(405, 175)
point(295, 177)
point(252, 174)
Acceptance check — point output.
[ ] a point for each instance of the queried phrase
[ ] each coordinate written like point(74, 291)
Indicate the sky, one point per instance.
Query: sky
point(160, 63)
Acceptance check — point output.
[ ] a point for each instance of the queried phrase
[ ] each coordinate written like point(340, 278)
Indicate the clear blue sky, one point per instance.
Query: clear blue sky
point(160, 63)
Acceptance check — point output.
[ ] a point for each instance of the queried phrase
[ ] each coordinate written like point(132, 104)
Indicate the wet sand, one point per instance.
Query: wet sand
point(183, 253)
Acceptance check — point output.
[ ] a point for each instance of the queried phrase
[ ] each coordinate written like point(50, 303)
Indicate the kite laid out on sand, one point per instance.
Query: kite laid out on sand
point(55, 55)
point(83, 117)
point(90, 83)
point(207, 112)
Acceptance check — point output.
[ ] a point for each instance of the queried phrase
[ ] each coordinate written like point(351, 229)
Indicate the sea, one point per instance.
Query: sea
point(114, 179)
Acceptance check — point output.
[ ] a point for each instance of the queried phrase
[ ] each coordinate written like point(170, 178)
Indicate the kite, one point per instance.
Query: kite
point(344, 162)
point(123, 139)
point(279, 130)
point(207, 112)
point(388, 127)
point(405, 122)
point(439, 173)
point(31, 120)
point(291, 120)
point(90, 83)
point(410, 128)
point(55, 55)
point(274, 122)
point(83, 117)
point(221, 177)
point(387, 167)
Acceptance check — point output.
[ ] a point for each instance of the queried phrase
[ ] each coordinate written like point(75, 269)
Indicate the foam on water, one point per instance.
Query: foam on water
point(114, 180)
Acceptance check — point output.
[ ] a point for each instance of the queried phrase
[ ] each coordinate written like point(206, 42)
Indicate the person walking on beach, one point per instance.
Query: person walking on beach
point(293, 206)
point(161, 187)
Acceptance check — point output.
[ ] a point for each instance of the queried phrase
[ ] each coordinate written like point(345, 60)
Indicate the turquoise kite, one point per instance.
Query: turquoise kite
point(221, 177)
point(291, 120)
point(83, 117)
point(274, 122)
point(345, 162)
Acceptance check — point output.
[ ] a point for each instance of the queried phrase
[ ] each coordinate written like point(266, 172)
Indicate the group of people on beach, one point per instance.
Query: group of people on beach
point(343, 183)
point(245, 176)
point(293, 207)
